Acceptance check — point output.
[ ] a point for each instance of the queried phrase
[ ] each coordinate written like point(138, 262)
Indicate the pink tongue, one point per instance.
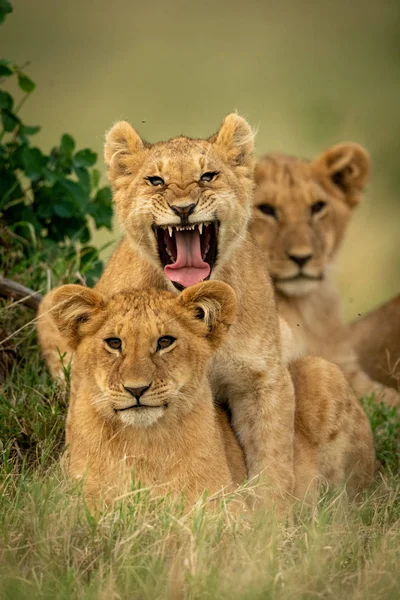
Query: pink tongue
point(189, 267)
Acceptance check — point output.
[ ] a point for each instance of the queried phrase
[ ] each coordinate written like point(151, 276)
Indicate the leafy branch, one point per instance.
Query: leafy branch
point(49, 198)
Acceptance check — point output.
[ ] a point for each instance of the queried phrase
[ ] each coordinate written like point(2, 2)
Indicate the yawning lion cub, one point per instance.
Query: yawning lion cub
point(185, 206)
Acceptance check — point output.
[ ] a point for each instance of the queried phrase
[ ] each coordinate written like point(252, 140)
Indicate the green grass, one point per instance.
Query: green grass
point(51, 546)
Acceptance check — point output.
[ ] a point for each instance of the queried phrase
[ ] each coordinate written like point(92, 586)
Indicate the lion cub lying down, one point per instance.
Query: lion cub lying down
point(141, 402)
point(140, 397)
point(301, 211)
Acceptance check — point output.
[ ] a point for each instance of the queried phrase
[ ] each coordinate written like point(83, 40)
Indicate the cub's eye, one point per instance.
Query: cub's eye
point(209, 176)
point(317, 207)
point(114, 343)
point(269, 210)
point(156, 180)
point(165, 342)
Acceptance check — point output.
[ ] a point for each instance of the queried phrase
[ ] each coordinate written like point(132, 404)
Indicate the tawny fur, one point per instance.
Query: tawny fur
point(181, 442)
point(178, 443)
point(248, 370)
point(376, 339)
point(333, 440)
point(301, 210)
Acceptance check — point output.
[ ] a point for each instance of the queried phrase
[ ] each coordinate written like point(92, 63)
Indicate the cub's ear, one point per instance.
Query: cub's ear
point(213, 305)
point(347, 165)
point(122, 147)
point(235, 141)
point(77, 311)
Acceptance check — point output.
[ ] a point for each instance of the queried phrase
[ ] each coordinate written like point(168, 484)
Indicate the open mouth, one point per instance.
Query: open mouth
point(188, 253)
point(299, 277)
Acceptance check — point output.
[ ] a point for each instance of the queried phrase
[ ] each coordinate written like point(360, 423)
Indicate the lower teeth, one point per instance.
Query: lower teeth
point(169, 254)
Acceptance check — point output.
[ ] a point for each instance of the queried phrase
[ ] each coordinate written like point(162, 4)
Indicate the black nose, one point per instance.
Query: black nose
point(137, 392)
point(300, 259)
point(183, 211)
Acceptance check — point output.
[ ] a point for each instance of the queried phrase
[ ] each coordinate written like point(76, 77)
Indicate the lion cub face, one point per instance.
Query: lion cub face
point(142, 356)
point(184, 203)
point(301, 209)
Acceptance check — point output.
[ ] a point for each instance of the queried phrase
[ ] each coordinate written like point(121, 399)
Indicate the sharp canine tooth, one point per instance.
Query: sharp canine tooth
point(170, 230)
point(201, 228)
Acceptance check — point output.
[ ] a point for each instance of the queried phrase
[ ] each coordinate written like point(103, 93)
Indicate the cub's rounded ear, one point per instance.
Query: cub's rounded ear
point(213, 305)
point(123, 144)
point(347, 165)
point(77, 311)
point(235, 141)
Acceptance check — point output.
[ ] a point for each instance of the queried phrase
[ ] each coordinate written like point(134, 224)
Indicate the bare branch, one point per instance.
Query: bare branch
point(12, 289)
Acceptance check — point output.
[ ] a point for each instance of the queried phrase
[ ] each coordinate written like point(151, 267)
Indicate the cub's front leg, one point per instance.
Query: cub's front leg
point(263, 408)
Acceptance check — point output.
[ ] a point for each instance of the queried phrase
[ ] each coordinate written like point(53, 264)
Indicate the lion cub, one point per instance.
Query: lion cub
point(140, 400)
point(185, 206)
point(141, 403)
point(301, 211)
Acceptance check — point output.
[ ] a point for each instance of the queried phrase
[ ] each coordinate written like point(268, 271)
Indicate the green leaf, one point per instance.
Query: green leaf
point(5, 69)
point(29, 129)
point(33, 162)
point(9, 120)
point(67, 144)
point(76, 191)
point(84, 235)
point(104, 196)
point(65, 209)
point(5, 8)
point(85, 158)
point(84, 178)
point(101, 214)
point(44, 202)
point(100, 208)
point(15, 158)
point(61, 227)
point(95, 178)
point(6, 101)
point(51, 176)
point(93, 274)
point(25, 83)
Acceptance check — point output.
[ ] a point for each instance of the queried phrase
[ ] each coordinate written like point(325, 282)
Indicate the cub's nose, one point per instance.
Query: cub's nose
point(183, 211)
point(300, 259)
point(137, 392)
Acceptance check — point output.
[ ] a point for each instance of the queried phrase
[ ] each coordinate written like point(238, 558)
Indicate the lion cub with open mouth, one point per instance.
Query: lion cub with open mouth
point(140, 400)
point(141, 403)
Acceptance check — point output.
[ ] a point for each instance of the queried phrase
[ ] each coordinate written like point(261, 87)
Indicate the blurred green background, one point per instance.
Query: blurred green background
point(307, 74)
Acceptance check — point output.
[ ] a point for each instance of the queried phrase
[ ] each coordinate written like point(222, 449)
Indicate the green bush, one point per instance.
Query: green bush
point(46, 200)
